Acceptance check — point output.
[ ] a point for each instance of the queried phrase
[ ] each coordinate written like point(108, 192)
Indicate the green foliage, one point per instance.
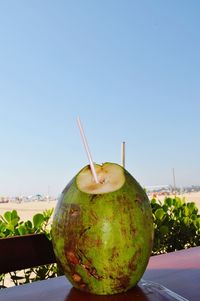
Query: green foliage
point(11, 225)
point(176, 225)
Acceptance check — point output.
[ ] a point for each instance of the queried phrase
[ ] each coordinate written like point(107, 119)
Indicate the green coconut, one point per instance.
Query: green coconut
point(103, 232)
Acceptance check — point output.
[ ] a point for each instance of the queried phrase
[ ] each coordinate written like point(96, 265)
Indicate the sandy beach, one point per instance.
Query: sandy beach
point(26, 210)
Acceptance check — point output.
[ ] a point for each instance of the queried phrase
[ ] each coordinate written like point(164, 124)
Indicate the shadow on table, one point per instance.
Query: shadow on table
point(135, 294)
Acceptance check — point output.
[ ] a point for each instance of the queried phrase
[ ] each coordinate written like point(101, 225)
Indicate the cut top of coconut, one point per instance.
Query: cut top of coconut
point(110, 175)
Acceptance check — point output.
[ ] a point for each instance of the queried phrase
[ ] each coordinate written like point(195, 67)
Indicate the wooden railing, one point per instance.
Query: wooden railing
point(20, 252)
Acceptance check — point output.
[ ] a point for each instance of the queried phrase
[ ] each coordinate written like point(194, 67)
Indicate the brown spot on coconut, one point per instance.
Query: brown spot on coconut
point(76, 278)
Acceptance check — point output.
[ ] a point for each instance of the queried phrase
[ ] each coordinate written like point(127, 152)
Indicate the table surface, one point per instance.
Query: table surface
point(178, 271)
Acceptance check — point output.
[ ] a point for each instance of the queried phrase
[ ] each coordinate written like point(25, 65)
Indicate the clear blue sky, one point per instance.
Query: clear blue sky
point(129, 69)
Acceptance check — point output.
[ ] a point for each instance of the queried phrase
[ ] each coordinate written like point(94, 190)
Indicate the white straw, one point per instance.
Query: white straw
point(123, 154)
point(87, 150)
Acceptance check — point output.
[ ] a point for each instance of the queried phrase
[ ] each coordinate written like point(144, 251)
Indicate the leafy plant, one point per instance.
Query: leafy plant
point(11, 225)
point(176, 225)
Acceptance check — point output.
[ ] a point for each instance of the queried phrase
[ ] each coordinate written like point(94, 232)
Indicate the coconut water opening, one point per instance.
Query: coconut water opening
point(111, 178)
